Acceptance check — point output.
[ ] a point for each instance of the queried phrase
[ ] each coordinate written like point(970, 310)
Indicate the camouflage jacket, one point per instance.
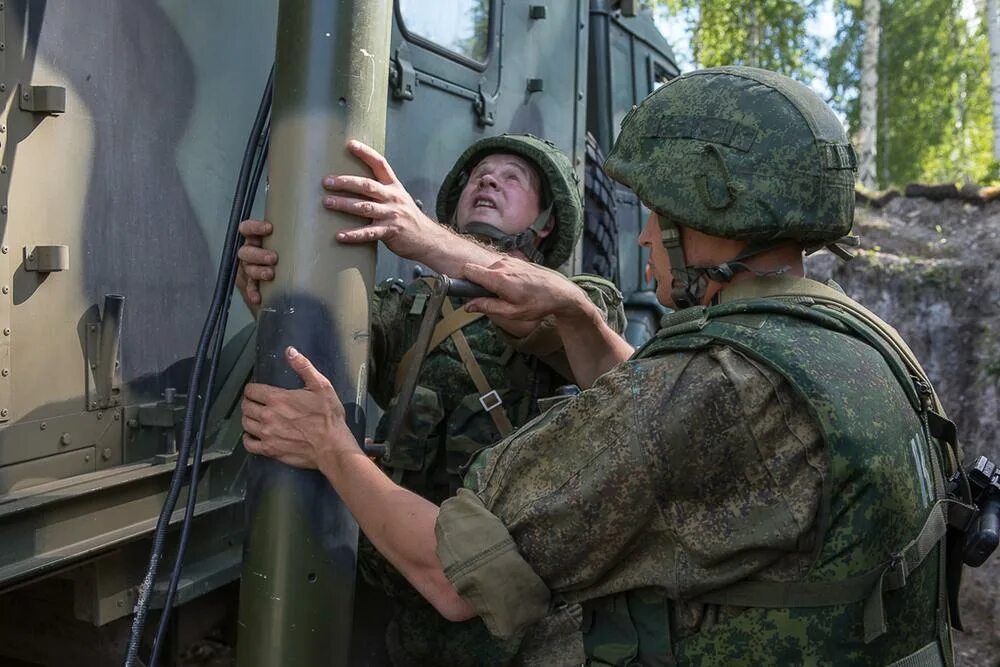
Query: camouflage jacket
point(446, 424)
point(674, 477)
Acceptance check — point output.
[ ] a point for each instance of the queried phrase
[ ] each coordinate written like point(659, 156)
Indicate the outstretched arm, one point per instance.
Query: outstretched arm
point(305, 428)
point(530, 292)
point(389, 214)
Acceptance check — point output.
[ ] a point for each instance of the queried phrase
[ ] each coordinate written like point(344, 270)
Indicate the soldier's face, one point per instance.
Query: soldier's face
point(503, 191)
point(658, 266)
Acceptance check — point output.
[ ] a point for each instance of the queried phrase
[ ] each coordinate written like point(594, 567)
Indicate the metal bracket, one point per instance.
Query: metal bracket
point(46, 258)
point(103, 338)
point(629, 7)
point(485, 106)
point(42, 99)
point(402, 76)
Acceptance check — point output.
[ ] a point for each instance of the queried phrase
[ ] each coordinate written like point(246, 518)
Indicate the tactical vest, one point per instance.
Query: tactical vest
point(473, 390)
point(876, 591)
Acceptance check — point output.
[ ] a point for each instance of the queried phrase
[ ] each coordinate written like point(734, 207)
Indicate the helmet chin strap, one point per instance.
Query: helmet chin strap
point(691, 282)
point(524, 241)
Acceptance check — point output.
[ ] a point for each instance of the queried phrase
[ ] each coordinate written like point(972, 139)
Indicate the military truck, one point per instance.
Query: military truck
point(120, 140)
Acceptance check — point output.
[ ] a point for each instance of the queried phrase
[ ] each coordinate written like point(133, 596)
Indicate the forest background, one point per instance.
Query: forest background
point(910, 78)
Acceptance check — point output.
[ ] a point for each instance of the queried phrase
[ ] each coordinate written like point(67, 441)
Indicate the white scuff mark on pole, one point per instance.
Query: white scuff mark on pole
point(371, 93)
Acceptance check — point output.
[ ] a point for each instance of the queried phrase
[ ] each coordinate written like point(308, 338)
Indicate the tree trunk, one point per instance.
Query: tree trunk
point(993, 28)
point(868, 95)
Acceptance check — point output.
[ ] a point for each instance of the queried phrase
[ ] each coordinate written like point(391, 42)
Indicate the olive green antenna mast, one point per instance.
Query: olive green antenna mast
point(331, 85)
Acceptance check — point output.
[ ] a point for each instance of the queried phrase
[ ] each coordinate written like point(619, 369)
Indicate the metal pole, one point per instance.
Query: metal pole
point(331, 84)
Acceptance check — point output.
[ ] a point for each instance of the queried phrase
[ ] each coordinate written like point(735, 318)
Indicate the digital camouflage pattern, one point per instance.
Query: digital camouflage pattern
point(739, 153)
point(560, 183)
point(446, 425)
point(793, 455)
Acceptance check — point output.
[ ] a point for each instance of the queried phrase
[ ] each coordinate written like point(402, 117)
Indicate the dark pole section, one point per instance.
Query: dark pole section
point(331, 74)
point(599, 84)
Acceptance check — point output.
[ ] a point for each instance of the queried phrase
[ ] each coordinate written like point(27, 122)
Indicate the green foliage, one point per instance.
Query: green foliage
point(759, 33)
point(934, 106)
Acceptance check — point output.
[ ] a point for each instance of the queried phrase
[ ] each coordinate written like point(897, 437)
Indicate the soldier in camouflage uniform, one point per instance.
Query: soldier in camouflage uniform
point(521, 194)
point(762, 483)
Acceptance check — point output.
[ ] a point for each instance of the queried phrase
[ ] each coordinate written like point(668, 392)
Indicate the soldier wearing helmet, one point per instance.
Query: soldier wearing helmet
point(762, 483)
point(519, 194)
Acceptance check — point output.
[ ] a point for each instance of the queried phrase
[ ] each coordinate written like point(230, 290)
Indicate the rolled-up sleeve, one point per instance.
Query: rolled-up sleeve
point(481, 560)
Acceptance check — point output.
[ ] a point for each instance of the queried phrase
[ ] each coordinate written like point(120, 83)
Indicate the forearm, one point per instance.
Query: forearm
point(592, 347)
point(447, 252)
point(399, 523)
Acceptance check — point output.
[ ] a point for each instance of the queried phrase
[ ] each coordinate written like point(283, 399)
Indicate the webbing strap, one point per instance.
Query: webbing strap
point(778, 286)
point(449, 324)
point(870, 586)
point(928, 656)
point(494, 408)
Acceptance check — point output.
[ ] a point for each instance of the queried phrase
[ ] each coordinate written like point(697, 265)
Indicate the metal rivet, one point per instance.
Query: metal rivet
point(86, 458)
point(3, 209)
point(4, 249)
point(3, 128)
point(118, 416)
point(65, 439)
point(93, 404)
point(26, 96)
point(3, 87)
point(6, 331)
point(3, 169)
point(5, 289)
point(3, 413)
point(106, 454)
point(132, 423)
point(5, 372)
point(43, 426)
point(100, 415)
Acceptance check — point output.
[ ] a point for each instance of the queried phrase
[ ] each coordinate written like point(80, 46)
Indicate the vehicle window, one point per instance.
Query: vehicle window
point(622, 84)
point(460, 26)
point(658, 75)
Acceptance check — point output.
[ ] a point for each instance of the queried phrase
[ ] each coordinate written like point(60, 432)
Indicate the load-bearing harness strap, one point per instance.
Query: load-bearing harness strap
point(870, 586)
point(488, 397)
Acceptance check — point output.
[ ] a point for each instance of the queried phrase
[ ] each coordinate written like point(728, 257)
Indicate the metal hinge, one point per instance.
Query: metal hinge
point(42, 99)
point(402, 77)
point(103, 339)
point(485, 106)
point(46, 258)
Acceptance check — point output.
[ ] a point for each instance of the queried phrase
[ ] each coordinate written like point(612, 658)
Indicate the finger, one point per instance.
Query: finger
point(252, 410)
point(358, 185)
point(370, 234)
point(363, 208)
point(494, 308)
point(251, 426)
point(255, 272)
point(253, 445)
point(312, 378)
point(491, 279)
point(371, 157)
point(260, 393)
point(253, 292)
point(256, 255)
point(256, 228)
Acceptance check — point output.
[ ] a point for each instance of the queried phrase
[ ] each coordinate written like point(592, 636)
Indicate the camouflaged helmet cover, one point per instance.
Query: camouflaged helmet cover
point(740, 153)
point(560, 183)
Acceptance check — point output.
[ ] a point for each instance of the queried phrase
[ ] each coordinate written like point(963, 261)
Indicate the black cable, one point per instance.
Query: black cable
point(207, 334)
point(199, 441)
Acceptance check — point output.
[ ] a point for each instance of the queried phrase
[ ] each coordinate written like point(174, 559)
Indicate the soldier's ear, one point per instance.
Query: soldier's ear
point(549, 226)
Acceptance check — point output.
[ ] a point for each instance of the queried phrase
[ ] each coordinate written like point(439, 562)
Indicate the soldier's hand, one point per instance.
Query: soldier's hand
point(256, 263)
point(525, 291)
point(390, 212)
point(298, 427)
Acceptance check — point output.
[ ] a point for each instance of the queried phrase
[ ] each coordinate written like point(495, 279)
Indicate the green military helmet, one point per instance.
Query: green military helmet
point(560, 196)
point(740, 153)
